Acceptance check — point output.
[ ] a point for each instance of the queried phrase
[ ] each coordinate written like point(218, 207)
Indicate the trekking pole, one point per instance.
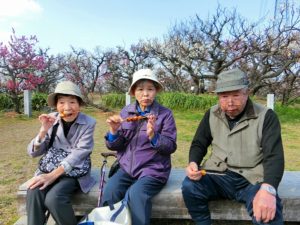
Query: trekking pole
point(105, 155)
point(102, 180)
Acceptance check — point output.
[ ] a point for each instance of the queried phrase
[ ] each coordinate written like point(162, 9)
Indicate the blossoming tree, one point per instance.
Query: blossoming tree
point(20, 67)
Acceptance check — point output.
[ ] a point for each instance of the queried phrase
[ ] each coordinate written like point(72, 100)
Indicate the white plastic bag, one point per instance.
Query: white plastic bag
point(103, 215)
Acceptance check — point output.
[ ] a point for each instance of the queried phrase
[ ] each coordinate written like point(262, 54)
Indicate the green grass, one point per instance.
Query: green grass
point(288, 114)
point(17, 130)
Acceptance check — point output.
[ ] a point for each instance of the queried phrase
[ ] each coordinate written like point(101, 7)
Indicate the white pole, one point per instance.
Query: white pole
point(127, 96)
point(27, 103)
point(270, 101)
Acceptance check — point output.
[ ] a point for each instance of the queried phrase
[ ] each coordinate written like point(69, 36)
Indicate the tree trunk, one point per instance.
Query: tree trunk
point(16, 101)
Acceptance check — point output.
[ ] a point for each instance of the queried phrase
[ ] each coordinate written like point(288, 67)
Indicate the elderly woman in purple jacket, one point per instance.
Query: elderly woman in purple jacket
point(65, 140)
point(144, 136)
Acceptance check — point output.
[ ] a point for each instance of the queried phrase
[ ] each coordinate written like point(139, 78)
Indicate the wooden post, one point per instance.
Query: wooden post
point(27, 103)
point(127, 96)
point(270, 101)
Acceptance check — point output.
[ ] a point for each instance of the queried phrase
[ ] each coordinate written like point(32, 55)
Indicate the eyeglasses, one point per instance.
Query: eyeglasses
point(228, 98)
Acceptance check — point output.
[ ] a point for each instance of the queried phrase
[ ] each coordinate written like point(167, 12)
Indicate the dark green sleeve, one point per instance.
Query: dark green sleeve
point(273, 156)
point(201, 141)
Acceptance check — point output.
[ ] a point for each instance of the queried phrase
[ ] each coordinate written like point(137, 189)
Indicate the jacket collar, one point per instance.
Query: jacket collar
point(132, 108)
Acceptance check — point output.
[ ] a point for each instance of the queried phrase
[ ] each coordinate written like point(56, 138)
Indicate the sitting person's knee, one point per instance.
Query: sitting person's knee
point(187, 186)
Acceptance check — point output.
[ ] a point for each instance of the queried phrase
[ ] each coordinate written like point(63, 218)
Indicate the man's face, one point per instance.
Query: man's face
point(233, 102)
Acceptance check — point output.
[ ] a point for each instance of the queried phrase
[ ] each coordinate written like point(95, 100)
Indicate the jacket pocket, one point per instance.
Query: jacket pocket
point(216, 162)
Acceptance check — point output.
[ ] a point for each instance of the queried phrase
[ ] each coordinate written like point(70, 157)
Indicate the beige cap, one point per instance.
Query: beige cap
point(66, 88)
point(144, 74)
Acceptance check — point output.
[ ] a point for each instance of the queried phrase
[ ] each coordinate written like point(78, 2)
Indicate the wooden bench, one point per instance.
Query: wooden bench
point(168, 204)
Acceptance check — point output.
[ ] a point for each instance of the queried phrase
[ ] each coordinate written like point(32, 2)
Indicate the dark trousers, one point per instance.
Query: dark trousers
point(140, 194)
point(197, 194)
point(56, 198)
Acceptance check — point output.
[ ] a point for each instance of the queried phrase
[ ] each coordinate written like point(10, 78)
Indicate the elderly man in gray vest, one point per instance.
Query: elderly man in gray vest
point(246, 157)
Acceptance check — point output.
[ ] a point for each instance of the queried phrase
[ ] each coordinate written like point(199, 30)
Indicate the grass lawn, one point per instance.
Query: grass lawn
point(16, 166)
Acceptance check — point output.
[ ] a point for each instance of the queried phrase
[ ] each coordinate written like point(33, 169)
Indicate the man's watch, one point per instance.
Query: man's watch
point(269, 189)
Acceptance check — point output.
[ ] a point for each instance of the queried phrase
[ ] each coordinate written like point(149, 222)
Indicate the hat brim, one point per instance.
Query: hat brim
point(51, 99)
point(232, 88)
point(130, 91)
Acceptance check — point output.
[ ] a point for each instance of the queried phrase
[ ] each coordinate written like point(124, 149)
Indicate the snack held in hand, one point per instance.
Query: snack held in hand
point(64, 114)
point(135, 118)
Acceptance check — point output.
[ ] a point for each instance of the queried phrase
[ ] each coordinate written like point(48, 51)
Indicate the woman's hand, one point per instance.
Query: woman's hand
point(41, 181)
point(151, 126)
point(44, 180)
point(47, 121)
point(114, 123)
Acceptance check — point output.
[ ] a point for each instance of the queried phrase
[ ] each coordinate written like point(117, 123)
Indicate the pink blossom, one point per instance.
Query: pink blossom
point(23, 63)
point(11, 85)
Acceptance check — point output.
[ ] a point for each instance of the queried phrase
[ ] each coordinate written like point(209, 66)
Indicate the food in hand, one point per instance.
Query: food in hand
point(63, 114)
point(203, 172)
point(135, 118)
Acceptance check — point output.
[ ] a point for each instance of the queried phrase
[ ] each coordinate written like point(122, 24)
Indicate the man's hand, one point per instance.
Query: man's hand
point(193, 172)
point(264, 206)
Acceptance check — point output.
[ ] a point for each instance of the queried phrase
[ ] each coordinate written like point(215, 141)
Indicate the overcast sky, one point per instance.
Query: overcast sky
point(58, 24)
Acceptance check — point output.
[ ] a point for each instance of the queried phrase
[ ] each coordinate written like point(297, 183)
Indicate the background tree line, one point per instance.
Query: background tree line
point(191, 54)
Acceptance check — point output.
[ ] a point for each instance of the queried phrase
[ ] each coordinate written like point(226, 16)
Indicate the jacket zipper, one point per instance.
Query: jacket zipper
point(140, 123)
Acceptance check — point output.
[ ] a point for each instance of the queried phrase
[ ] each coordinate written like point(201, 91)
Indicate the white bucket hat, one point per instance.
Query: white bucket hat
point(66, 88)
point(146, 74)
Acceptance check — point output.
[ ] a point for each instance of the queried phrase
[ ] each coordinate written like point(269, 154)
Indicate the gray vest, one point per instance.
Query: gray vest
point(239, 149)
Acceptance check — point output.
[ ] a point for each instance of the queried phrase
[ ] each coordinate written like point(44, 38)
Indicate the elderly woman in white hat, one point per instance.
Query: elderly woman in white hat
point(65, 140)
point(144, 136)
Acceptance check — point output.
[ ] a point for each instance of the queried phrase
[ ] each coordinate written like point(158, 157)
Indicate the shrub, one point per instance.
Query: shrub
point(287, 113)
point(39, 101)
point(114, 100)
point(172, 100)
point(182, 101)
point(5, 102)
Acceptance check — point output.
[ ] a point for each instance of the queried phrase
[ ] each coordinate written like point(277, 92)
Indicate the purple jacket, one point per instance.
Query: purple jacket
point(79, 141)
point(137, 156)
